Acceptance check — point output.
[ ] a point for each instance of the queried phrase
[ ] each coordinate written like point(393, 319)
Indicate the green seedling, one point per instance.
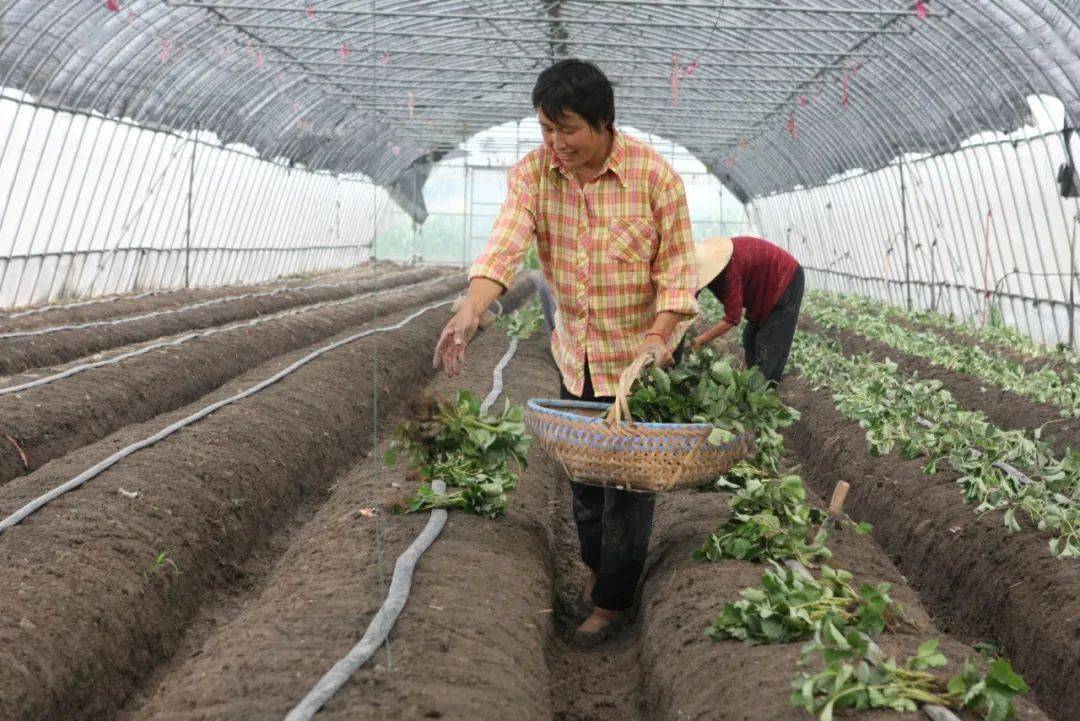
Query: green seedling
point(162, 560)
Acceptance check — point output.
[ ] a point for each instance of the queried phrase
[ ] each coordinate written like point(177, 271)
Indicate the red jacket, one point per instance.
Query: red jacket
point(755, 278)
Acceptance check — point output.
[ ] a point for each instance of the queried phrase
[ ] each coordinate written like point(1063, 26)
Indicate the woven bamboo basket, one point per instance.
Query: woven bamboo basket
point(599, 444)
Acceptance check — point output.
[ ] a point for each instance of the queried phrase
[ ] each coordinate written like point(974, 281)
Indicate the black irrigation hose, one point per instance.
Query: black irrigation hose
point(398, 595)
point(74, 370)
point(123, 453)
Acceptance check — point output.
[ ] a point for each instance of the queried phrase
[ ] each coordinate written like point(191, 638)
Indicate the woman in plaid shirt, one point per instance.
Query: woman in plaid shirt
point(609, 217)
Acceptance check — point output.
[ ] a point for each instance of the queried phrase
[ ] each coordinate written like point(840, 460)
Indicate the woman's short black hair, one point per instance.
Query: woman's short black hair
point(579, 86)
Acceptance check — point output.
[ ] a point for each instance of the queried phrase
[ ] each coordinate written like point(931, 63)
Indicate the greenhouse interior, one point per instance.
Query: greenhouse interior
point(546, 360)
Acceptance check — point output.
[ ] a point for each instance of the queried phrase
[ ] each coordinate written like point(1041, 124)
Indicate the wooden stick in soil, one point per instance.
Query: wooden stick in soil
point(836, 505)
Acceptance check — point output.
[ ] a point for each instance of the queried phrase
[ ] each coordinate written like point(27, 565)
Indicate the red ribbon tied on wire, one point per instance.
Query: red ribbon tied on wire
point(676, 79)
point(678, 72)
point(921, 10)
point(113, 5)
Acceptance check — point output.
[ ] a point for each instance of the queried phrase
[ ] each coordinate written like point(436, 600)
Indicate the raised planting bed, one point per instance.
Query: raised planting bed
point(979, 580)
point(98, 586)
point(1000, 339)
point(134, 303)
point(42, 423)
point(469, 643)
point(483, 634)
point(23, 352)
point(1004, 408)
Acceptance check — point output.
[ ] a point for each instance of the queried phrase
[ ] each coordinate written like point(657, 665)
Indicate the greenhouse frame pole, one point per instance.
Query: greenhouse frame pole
point(907, 235)
point(1072, 283)
point(187, 231)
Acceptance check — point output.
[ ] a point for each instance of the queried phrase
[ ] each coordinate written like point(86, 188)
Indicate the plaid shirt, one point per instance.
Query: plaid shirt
point(615, 253)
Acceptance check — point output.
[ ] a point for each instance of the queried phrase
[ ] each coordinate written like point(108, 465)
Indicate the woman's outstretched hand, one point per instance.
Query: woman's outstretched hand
point(450, 350)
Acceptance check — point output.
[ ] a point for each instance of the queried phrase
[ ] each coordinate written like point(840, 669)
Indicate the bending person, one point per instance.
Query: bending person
point(766, 280)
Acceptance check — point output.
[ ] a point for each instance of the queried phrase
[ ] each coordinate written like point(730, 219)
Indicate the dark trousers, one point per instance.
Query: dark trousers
point(613, 527)
point(768, 343)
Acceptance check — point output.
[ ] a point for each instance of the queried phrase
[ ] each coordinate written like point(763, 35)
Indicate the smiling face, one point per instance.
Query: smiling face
point(573, 141)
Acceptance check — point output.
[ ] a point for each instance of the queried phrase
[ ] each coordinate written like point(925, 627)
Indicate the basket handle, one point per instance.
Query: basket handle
point(621, 406)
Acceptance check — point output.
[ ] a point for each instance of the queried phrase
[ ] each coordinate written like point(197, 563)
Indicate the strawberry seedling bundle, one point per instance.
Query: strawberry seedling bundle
point(468, 449)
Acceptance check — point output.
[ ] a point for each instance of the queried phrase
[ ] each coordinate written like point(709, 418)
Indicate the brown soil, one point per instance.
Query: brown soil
point(127, 304)
point(470, 642)
point(82, 616)
point(483, 634)
point(979, 581)
point(51, 420)
point(25, 352)
point(1003, 408)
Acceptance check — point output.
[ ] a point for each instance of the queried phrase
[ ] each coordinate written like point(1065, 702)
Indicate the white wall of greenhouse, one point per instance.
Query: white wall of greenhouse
point(984, 222)
point(92, 206)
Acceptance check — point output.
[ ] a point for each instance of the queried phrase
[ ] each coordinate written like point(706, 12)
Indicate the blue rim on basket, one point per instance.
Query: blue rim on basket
point(548, 406)
point(606, 438)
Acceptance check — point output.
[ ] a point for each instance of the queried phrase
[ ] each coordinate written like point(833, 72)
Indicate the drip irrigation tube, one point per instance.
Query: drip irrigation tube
point(115, 458)
point(74, 370)
point(170, 311)
point(383, 622)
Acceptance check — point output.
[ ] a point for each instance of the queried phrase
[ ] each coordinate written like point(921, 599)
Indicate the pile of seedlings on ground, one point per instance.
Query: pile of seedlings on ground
point(470, 450)
point(919, 418)
point(768, 519)
point(770, 522)
point(855, 676)
point(791, 607)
